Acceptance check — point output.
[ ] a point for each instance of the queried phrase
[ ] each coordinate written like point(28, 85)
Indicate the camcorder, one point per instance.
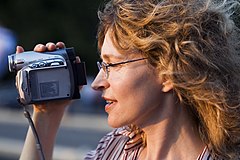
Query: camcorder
point(48, 75)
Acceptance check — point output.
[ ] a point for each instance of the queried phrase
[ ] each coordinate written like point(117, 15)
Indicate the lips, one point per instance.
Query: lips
point(110, 103)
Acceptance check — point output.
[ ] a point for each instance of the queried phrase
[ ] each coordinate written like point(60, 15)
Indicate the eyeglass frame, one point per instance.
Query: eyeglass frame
point(107, 65)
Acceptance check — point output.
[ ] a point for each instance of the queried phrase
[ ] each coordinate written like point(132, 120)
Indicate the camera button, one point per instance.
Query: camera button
point(55, 64)
point(34, 65)
point(42, 64)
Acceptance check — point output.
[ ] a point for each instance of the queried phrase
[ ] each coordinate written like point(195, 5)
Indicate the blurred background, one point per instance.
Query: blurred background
point(28, 23)
point(74, 22)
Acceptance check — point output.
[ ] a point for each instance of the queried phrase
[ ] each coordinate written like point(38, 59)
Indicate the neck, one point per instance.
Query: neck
point(174, 137)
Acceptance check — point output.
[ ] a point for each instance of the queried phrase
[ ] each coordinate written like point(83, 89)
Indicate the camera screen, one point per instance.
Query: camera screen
point(48, 84)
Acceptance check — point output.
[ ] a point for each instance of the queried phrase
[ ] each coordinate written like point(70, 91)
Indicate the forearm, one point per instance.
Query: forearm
point(47, 124)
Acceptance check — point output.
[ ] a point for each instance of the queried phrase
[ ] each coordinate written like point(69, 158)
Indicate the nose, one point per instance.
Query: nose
point(100, 82)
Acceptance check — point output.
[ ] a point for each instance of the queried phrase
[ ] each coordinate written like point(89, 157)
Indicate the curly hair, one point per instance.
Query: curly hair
point(194, 44)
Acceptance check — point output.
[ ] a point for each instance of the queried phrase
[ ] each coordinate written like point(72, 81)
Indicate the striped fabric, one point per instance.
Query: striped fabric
point(205, 155)
point(121, 144)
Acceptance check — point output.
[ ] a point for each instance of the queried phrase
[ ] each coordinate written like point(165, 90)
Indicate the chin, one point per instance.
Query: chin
point(115, 123)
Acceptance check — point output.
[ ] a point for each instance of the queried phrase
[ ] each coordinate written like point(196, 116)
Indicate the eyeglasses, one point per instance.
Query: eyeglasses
point(105, 66)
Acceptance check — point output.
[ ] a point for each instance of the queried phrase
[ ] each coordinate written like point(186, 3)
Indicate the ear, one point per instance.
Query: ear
point(167, 86)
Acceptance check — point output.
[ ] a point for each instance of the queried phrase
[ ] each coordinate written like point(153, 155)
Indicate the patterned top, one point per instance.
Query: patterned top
point(122, 144)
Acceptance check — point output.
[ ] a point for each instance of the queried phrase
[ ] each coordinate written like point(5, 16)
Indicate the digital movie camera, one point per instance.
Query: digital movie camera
point(48, 75)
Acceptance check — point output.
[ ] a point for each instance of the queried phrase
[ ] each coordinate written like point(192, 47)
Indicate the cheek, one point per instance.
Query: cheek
point(137, 95)
point(140, 88)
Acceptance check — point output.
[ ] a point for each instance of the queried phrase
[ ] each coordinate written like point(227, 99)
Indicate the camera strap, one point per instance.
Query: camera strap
point(34, 131)
point(79, 70)
point(81, 73)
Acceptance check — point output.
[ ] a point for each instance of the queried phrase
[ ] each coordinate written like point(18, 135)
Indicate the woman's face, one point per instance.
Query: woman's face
point(133, 91)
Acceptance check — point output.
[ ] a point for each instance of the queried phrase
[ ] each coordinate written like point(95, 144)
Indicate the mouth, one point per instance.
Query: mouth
point(109, 104)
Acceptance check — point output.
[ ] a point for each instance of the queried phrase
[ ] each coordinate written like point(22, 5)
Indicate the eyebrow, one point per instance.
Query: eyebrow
point(110, 57)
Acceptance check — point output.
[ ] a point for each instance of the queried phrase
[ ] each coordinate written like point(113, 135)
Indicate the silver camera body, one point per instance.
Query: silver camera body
point(48, 75)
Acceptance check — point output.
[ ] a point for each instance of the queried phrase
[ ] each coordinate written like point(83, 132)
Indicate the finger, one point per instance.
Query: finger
point(80, 88)
point(19, 49)
point(77, 59)
point(40, 48)
point(60, 45)
point(51, 46)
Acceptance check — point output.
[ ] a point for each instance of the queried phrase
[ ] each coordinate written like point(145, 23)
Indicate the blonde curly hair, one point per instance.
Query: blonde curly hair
point(194, 44)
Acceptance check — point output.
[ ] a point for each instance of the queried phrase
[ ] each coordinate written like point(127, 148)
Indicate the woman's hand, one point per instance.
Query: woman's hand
point(43, 48)
point(46, 116)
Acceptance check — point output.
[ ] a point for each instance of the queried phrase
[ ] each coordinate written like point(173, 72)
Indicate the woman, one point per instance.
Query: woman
point(170, 76)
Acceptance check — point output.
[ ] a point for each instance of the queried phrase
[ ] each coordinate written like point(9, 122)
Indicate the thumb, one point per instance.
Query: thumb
point(19, 49)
